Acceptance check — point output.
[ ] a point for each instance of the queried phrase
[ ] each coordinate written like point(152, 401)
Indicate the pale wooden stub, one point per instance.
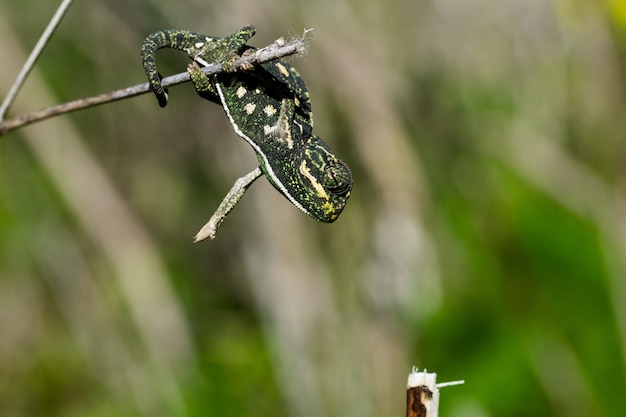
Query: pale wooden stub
point(430, 401)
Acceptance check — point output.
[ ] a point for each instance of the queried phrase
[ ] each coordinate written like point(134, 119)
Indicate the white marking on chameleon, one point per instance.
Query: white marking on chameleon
point(304, 170)
point(268, 166)
point(199, 45)
point(201, 61)
point(241, 91)
point(257, 90)
point(282, 133)
point(286, 129)
point(289, 139)
point(271, 130)
point(282, 69)
point(249, 108)
point(270, 110)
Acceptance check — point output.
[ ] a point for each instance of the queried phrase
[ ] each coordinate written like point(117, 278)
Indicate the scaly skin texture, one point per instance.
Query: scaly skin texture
point(268, 105)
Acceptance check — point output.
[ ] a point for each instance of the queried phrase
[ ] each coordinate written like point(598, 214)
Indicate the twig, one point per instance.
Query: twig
point(422, 394)
point(32, 58)
point(276, 50)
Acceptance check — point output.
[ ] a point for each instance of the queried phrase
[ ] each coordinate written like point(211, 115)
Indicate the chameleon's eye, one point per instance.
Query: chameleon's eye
point(338, 179)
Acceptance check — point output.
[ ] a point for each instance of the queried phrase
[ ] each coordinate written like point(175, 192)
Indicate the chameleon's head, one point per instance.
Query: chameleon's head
point(317, 182)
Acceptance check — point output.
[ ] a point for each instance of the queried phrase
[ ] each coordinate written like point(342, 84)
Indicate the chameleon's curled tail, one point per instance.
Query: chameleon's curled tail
point(177, 39)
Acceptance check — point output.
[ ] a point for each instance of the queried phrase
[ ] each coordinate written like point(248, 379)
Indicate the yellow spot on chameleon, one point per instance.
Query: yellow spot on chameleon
point(282, 69)
point(319, 190)
point(329, 209)
point(241, 91)
point(270, 110)
point(249, 108)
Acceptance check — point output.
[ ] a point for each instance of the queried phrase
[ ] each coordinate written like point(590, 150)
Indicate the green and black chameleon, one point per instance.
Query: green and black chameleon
point(268, 105)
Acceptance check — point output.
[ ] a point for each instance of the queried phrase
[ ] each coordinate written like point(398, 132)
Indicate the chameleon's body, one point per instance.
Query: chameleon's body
point(268, 105)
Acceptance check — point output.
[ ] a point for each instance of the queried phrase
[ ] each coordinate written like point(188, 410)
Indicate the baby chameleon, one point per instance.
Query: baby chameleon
point(268, 105)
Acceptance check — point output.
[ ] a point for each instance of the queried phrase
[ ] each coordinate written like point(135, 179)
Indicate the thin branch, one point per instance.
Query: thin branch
point(32, 58)
point(276, 50)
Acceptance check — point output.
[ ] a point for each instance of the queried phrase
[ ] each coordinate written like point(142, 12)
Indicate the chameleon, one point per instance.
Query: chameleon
point(269, 107)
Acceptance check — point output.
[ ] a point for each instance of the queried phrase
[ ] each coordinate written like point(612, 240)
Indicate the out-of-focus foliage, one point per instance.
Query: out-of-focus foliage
point(485, 238)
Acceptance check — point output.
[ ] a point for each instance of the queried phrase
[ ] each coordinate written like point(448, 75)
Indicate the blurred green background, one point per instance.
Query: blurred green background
point(485, 238)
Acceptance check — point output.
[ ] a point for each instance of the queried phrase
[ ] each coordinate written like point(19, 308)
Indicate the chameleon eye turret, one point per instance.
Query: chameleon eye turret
point(338, 179)
point(268, 105)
